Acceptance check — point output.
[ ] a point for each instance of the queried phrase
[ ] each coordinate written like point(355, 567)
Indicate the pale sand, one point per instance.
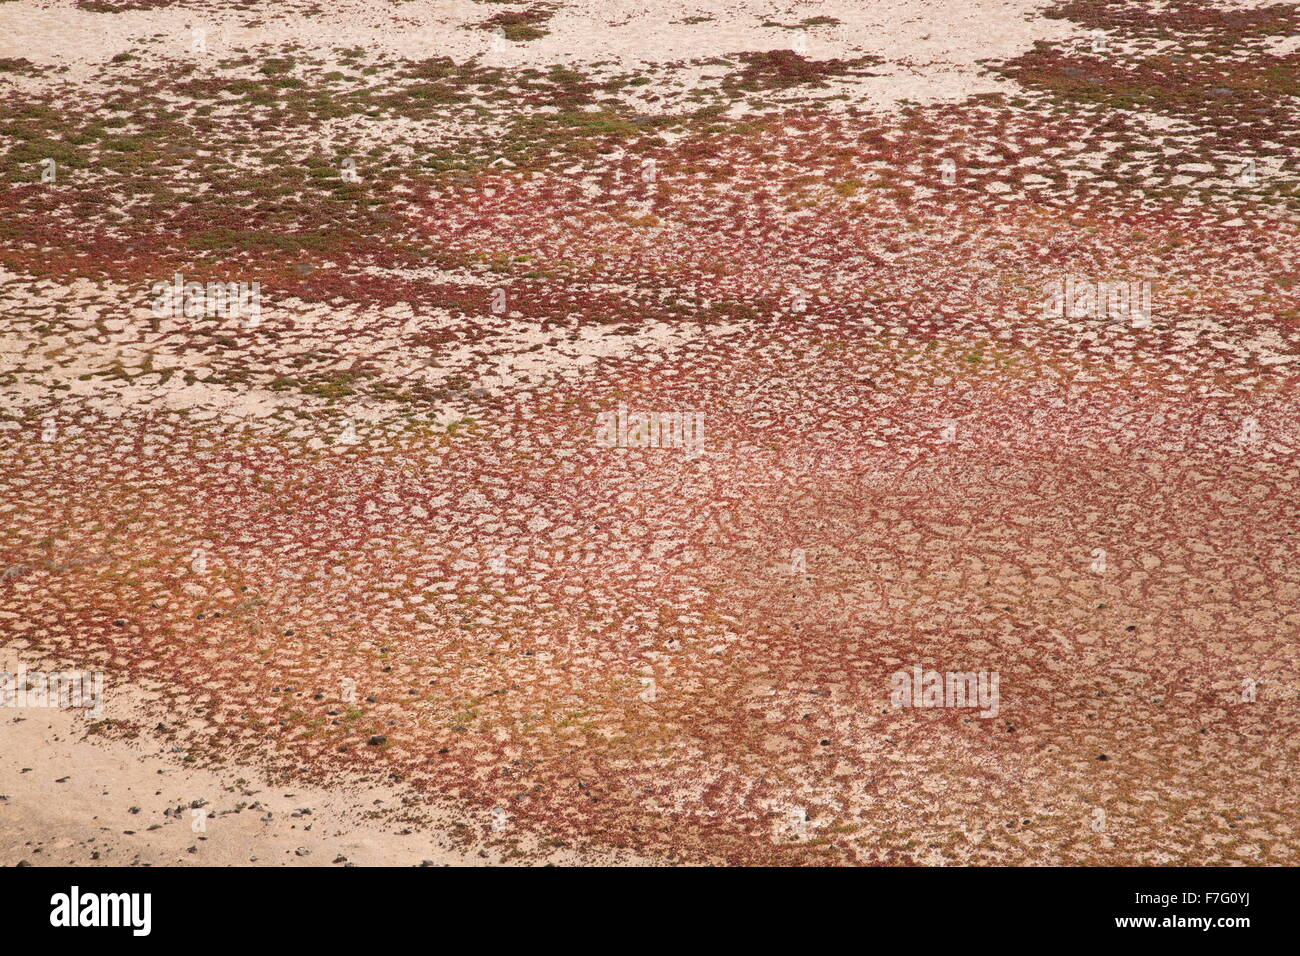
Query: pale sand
point(66, 799)
point(932, 48)
point(931, 52)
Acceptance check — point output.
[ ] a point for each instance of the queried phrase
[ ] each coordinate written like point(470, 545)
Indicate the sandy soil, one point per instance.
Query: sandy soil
point(72, 798)
point(374, 555)
point(934, 47)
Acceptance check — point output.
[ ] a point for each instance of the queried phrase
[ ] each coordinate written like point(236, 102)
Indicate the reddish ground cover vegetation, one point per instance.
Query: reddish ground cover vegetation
point(909, 459)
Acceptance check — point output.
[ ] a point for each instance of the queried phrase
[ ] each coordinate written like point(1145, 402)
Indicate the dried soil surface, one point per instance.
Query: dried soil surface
point(373, 541)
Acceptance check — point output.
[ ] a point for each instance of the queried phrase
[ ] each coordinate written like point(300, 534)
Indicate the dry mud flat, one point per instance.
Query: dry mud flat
point(73, 799)
point(618, 408)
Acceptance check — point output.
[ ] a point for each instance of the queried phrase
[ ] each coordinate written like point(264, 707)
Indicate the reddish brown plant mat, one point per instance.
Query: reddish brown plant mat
point(981, 354)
